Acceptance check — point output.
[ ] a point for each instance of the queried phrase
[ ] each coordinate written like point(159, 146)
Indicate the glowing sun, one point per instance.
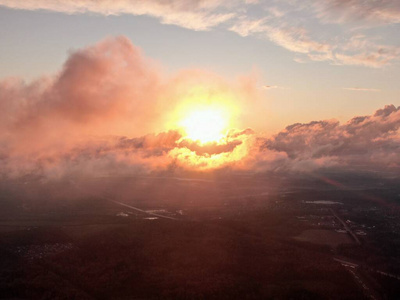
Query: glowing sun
point(206, 125)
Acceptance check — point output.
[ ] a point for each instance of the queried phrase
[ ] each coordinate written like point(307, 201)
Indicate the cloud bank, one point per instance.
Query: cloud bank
point(333, 31)
point(363, 143)
point(77, 119)
point(109, 111)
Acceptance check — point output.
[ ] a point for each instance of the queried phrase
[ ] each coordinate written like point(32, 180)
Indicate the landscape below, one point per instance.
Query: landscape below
point(197, 236)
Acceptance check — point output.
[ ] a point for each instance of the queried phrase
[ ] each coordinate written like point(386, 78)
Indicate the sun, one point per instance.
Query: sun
point(205, 125)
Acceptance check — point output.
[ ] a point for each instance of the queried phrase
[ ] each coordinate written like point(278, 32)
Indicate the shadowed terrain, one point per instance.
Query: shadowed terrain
point(225, 237)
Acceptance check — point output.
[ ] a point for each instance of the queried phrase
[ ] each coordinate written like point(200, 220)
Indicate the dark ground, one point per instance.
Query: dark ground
point(233, 238)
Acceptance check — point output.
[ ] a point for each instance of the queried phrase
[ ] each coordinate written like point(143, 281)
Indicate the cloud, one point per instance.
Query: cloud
point(341, 11)
point(96, 113)
point(298, 26)
point(377, 56)
point(356, 50)
point(297, 40)
point(99, 89)
point(191, 14)
point(211, 148)
point(109, 110)
point(292, 32)
point(362, 89)
point(367, 142)
point(273, 87)
point(245, 27)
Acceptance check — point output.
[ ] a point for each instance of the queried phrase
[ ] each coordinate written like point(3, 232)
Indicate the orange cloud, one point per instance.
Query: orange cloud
point(111, 111)
point(105, 92)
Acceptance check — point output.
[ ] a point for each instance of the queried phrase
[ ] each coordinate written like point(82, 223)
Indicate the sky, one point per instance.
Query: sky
point(120, 77)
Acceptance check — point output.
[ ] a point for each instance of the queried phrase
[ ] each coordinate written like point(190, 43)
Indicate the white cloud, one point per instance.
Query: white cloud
point(361, 11)
point(362, 89)
point(298, 26)
point(191, 14)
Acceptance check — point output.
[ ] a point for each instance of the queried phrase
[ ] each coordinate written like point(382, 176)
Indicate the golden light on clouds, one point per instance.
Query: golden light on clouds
point(209, 139)
point(205, 125)
point(204, 111)
point(207, 116)
point(117, 114)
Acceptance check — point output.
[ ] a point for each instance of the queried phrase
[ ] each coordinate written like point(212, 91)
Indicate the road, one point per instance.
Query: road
point(352, 267)
point(141, 210)
point(129, 206)
point(367, 291)
point(347, 228)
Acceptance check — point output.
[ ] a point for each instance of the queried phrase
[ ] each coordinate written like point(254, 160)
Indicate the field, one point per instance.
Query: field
point(191, 239)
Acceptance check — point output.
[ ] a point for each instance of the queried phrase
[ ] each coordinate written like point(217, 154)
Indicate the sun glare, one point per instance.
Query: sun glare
point(206, 125)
